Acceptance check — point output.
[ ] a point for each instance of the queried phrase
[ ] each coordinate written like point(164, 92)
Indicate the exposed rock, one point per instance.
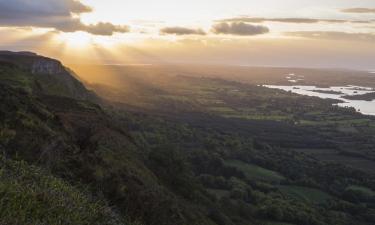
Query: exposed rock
point(49, 75)
point(47, 66)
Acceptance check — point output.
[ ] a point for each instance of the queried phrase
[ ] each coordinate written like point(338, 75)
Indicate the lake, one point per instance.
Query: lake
point(365, 107)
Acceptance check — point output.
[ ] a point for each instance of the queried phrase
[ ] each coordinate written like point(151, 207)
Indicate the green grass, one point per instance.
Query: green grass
point(16, 78)
point(347, 129)
point(311, 195)
point(339, 121)
point(256, 172)
point(259, 117)
point(222, 110)
point(29, 195)
point(364, 190)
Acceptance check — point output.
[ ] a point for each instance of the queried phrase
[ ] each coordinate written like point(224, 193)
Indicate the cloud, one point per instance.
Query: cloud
point(239, 28)
point(286, 20)
point(182, 31)
point(62, 15)
point(333, 35)
point(358, 10)
point(105, 29)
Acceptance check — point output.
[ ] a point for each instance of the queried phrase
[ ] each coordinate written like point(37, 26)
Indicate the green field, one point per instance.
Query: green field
point(365, 191)
point(305, 194)
point(256, 172)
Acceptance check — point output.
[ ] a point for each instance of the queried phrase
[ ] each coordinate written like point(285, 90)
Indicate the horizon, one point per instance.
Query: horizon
point(371, 71)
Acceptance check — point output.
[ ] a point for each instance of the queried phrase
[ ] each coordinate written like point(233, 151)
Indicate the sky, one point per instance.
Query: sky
point(295, 33)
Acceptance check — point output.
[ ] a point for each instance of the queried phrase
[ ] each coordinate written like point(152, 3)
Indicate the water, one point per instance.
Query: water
point(293, 78)
point(365, 107)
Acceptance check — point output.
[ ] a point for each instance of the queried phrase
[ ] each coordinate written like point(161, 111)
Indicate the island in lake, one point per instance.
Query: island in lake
point(365, 97)
point(328, 92)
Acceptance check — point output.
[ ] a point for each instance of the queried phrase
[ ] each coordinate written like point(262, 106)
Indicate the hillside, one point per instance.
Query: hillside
point(29, 195)
point(77, 140)
point(177, 150)
point(35, 73)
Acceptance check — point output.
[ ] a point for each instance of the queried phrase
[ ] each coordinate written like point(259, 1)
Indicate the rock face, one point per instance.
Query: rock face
point(46, 66)
point(33, 63)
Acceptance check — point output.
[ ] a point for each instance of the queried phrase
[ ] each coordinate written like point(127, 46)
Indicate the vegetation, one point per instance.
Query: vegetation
point(181, 151)
point(255, 172)
point(30, 195)
point(306, 194)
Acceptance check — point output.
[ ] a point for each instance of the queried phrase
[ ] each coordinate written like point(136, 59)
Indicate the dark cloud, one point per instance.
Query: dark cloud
point(182, 31)
point(333, 35)
point(239, 28)
point(105, 29)
point(286, 20)
point(57, 14)
point(358, 10)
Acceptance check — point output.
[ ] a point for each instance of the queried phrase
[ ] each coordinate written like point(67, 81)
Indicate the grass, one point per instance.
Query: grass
point(222, 110)
point(364, 190)
point(16, 78)
point(256, 172)
point(311, 195)
point(260, 117)
point(29, 195)
point(338, 121)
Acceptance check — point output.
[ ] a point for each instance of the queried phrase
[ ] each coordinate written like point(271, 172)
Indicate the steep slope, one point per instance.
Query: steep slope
point(58, 129)
point(40, 74)
point(29, 195)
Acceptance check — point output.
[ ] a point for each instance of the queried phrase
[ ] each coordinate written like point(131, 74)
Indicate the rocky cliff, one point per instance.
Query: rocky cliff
point(43, 75)
point(47, 66)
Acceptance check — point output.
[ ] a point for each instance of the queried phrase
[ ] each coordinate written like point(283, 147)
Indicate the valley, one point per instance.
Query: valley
point(150, 147)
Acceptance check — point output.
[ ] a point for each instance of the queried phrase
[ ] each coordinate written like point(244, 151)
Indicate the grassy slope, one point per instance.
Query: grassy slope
point(30, 195)
point(78, 140)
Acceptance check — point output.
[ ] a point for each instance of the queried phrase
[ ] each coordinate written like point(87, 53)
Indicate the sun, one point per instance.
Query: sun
point(78, 40)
